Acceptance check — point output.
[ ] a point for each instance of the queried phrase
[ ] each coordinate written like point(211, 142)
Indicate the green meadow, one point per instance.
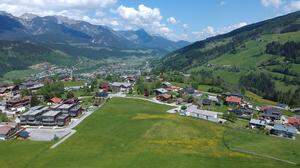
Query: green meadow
point(136, 133)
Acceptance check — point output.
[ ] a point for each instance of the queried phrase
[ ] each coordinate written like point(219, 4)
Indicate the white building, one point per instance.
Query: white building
point(193, 111)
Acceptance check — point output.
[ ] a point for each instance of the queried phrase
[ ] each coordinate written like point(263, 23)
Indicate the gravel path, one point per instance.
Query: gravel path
point(62, 140)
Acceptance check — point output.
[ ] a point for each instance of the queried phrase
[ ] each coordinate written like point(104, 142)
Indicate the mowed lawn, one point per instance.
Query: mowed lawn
point(135, 133)
point(282, 148)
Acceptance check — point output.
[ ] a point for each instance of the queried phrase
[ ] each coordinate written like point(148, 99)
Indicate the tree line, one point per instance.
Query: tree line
point(262, 84)
point(290, 50)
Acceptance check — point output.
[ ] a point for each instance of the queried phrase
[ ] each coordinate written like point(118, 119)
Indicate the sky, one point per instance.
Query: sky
point(189, 20)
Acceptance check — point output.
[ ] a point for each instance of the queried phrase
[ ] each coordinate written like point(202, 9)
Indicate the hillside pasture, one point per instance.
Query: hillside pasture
point(137, 133)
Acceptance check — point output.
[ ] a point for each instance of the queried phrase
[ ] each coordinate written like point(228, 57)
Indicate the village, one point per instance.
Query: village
point(28, 111)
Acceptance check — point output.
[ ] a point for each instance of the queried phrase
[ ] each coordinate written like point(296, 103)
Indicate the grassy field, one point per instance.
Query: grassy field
point(73, 83)
point(222, 108)
point(135, 133)
point(257, 100)
point(18, 74)
point(268, 145)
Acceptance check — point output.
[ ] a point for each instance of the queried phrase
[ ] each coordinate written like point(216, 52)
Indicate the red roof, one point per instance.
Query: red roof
point(104, 86)
point(233, 99)
point(56, 100)
point(294, 121)
point(172, 88)
point(265, 108)
point(166, 96)
point(5, 129)
point(105, 89)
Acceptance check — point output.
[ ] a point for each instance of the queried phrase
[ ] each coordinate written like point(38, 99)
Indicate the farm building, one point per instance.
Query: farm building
point(102, 95)
point(31, 85)
point(160, 91)
point(8, 130)
point(242, 112)
point(56, 100)
point(179, 101)
point(294, 121)
point(193, 111)
point(213, 98)
point(188, 90)
point(164, 97)
point(284, 131)
point(256, 123)
point(206, 102)
point(19, 102)
point(120, 86)
point(233, 100)
point(166, 84)
point(272, 114)
point(173, 88)
point(105, 87)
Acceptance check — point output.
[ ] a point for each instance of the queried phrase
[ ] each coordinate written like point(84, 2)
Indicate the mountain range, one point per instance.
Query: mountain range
point(62, 30)
point(62, 39)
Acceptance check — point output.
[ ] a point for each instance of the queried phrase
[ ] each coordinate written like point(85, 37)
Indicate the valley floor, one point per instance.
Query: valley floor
point(138, 133)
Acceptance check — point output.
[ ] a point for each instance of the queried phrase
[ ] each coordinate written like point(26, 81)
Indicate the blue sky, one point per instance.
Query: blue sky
point(178, 20)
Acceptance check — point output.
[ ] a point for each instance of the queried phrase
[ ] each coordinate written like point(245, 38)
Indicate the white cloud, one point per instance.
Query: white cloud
point(87, 10)
point(185, 26)
point(141, 15)
point(144, 17)
point(271, 3)
point(231, 27)
point(222, 3)
point(75, 9)
point(210, 31)
point(172, 20)
point(293, 6)
point(60, 4)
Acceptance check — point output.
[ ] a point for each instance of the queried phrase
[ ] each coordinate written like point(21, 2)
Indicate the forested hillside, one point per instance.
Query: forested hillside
point(264, 54)
point(20, 55)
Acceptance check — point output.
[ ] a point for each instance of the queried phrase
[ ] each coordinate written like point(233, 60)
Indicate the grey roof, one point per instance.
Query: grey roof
point(2, 89)
point(285, 128)
point(167, 83)
point(36, 107)
point(121, 84)
point(51, 113)
point(213, 98)
point(66, 106)
point(258, 122)
point(35, 111)
point(161, 90)
point(54, 106)
point(63, 116)
point(193, 109)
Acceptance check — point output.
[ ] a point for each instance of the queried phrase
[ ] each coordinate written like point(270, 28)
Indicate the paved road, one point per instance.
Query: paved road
point(153, 100)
